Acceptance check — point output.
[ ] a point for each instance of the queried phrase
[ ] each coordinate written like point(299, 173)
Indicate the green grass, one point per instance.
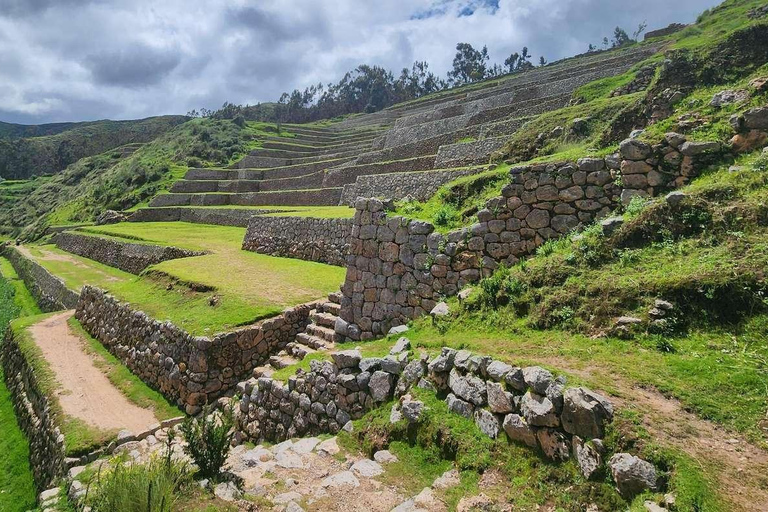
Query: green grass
point(121, 377)
point(23, 300)
point(254, 286)
point(17, 489)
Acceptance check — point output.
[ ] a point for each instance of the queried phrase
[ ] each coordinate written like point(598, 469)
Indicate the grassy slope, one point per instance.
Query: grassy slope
point(44, 152)
point(254, 286)
point(17, 489)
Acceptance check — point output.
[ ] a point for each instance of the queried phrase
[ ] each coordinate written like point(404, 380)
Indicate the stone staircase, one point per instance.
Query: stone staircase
point(319, 335)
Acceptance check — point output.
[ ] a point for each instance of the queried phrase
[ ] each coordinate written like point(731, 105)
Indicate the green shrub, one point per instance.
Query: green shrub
point(209, 440)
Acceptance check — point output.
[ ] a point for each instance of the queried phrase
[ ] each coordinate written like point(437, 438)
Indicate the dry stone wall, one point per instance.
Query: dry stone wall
point(323, 240)
point(417, 185)
point(130, 257)
point(528, 405)
point(34, 415)
point(218, 216)
point(49, 291)
point(189, 370)
point(398, 269)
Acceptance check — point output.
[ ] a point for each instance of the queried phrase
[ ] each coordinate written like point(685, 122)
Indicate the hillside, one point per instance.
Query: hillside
point(27, 151)
point(541, 292)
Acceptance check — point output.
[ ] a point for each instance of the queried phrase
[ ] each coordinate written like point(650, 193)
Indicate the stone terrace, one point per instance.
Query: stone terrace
point(408, 150)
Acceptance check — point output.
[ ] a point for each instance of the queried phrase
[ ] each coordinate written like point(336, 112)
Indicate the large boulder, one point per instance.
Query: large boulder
point(632, 474)
point(518, 430)
point(537, 378)
point(633, 149)
point(470, 388)
point(585, 413)
point(347, 358)
point(499, 400)
point(380, 386)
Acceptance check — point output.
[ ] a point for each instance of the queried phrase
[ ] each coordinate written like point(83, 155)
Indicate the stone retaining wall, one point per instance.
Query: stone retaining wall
point(398, 269)
point(529, 404)
point(303, 197)
point(49, 291)
point(418, 185)
point(34, 415)
point(347, 174)
point(189, 370)
point(468, 153)
point(218, 216)
point(323, 240)
point(130, 257)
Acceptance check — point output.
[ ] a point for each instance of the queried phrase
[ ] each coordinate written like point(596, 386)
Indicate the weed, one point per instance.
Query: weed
point(209, 439)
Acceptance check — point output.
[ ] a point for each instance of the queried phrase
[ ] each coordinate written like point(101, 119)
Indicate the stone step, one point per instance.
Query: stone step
point(312, 341)
point(335, 297)
point(279, 362)
point(298, 350)
point(324, 333)
point(263, 371)
point(330, 308)
point(323, 319)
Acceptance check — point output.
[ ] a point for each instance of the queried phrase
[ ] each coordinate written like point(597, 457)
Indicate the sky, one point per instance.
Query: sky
point(78, 60)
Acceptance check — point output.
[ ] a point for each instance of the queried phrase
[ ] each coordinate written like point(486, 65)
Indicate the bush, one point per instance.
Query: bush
point(153, 487)
point(209, 439)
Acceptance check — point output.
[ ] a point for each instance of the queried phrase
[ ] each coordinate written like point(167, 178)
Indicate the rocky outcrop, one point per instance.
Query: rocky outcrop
point(323, 240)
point(34, 415)
point(189, 370)
point(127, 256)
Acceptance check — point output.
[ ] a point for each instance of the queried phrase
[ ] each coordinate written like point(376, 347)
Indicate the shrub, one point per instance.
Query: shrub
point(209, 439)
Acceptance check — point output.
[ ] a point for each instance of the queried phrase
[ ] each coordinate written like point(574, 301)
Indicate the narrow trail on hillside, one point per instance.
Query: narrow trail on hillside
point(86, 393)
point(741, 467)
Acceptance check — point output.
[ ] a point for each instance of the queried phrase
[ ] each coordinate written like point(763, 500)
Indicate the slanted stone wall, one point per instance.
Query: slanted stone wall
point(418, 185)
point(529, 404)
point(49, 291)
point(34, 415)
point(468, 153)
point(189, 370)
point(216, 216)
point(130, 257)
point(323, 240)
point(398, 269)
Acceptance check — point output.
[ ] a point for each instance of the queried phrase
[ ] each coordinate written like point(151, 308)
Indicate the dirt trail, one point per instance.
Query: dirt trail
point(741, 467)
point(86, 392)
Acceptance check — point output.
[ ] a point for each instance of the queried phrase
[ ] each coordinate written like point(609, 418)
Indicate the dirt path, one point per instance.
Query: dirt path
point(86, 393)
point(740, 467)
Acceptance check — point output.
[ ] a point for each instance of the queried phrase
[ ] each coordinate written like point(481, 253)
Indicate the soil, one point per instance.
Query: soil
point(85, 392)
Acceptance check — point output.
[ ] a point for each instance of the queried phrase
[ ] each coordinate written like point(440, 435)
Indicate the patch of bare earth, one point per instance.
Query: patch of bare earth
point(85, 392)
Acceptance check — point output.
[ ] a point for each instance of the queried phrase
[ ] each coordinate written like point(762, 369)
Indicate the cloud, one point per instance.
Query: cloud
point(67, 60)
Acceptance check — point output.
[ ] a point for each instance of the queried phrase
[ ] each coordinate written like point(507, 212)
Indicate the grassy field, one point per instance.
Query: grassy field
point(17, 489)
point(254, 286)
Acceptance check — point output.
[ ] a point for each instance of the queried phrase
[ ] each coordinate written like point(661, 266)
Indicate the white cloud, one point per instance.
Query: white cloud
point(94, 59)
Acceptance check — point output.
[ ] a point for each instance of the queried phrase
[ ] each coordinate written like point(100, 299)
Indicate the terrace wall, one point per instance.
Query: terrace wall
point(129, 257)
point(189, 370)
point(418, 185)
point(218, 216)
point(49, 291)
point(323, 240)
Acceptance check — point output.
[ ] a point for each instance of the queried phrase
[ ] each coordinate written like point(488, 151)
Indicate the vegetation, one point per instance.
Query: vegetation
point(27, 151)
point(208, 440)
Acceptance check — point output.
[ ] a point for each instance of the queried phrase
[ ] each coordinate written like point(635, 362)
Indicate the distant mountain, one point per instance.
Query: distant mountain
point(33, 150)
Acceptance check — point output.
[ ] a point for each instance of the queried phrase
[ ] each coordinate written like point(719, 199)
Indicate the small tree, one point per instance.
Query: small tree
point(469, 65)
point(620, 37)
point(542, 61)
point(209, 439)
point(640, 29)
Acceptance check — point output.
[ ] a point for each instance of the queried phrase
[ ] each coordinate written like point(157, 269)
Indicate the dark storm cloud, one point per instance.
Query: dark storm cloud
point(64, 60)
point(136, 66)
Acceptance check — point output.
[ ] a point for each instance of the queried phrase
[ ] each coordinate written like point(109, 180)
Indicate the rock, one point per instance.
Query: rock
point(674, 199)
point(628, 320)
point(443, 362)
point(124, 436)
point(412, 410)
point(749, 141)
point(629, 193)
point(440, 310)
point(633, 149)
point(227, 491)
point(398, 329)
point(459, 406)
point(450, 478)
point(515, 380)
point(538, 410)
point(257, 455)
point(517, 429)
point(380, 386)
point(760, 84)
point(650, 506)
point(499, 400)
point(497, 370)
point(691, 148)
point(756, 118)
point(367, 468)
point(329, 446)
point(403, 344)
point(585, 413)
point(395, 415)
point(384, 457)
point(487, 423)
point(407, 506)
point(343, 479)
point(632, 474)
point(580, 126)
point(110, 217)
point(610, 225)
point(305, 445)
point(293, 507)
point(347, 358)
point(464, 294)
point(469, 388)
point(427, 500)
point(287, 497)
point(675, 139)
point(729, 97)
point(288, 460)
point(537, 378)
point(554, 444)
point(588, 457)
point(348, 427)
